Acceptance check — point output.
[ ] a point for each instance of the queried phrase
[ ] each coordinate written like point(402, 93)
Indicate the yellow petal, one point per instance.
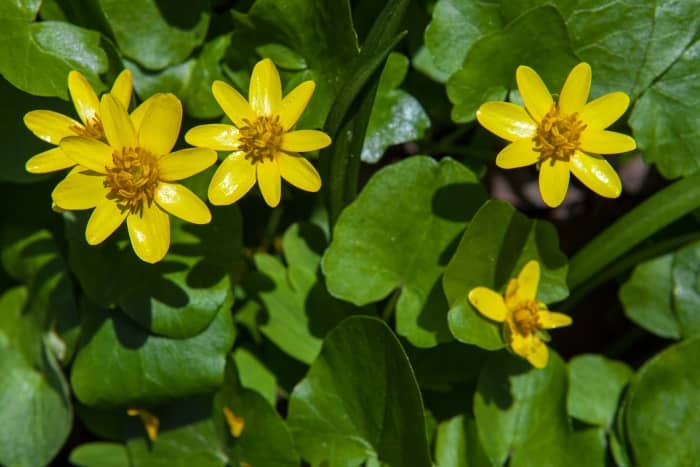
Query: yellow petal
point(539, 356)
point(217, 136)
point(489, 303)
point(181, 202)
point(235, 422)
point(520, 153)
point(84, 98)
point(554, 181)
point(121, 89)
point(305, 140)
point(105, 219)
point(294, 104)
point(48, 161)
point(81, 189)
point(265, 93)
point(232, 103)
point(507, 120)
point(150, 422)
point(118, 127)
point(531, 348)
point(149, 232)
point(576, 89)
point(597, 174)
point(299, 172)
point(538, 101)
point(269, 181)
point(161, 124)
point(602, 112)
point(233, 178)
point(185, 163)
point(51, 126)
point(606, 142)
point(139, 112)
point(90, 153)
point(552, 319)
point(528, 280)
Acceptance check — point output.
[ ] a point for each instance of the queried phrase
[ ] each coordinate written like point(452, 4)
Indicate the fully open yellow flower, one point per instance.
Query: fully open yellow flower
point(129, 176)
point(264, 147)
point(524, 318)
point(568, 136)
point(52, 126)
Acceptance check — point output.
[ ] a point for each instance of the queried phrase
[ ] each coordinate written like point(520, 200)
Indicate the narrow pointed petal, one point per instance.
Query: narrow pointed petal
point(539, 356)
point(506, 120)
point(118, 127)
point(233, 178)
point(161, 125)
point(105, 219)
point(597, 174)
point(531, 348)
point(139, 112)
point(233, 104)
point(181, 202)
point(48, 161)
point(90, 153)
point(520, 153)
point(185, 163)
point(606, 142)
point(538, 101)
point(217, 136)
point(299, 172)
point(528, 280)
point(489, 303)
point(553, 181)
point(552, 319)
point(150, 233)
point(269, 181)
point(84, 98)
point(576, 89)
point(51, 126)
point(294, 104)
point(265, 93)
point(602, 112)
point(122, 88)
point(305, 140)
point(81, 189)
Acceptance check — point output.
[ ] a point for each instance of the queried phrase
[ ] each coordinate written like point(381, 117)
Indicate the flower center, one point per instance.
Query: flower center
point(92, 129)
point(526, 317)
point(133, 179)
point(558, 135)
point(261, 138)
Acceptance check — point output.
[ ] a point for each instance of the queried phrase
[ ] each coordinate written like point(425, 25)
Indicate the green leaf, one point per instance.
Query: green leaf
point(100, 454)
point(521, 411)
point(120, 364)
point(255, 375)
point(399, 233)
point(494, 248)
point(359, 401)
point(587, 448)
point(457, 444)
point(595, 387)
point(20, 9)
point(686, 290)
point(661, 413)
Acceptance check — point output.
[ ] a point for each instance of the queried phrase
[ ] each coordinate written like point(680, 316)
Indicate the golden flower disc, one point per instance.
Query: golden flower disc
point(261, 138)
point(558, 136)
point(526, 317)
point(133, 179)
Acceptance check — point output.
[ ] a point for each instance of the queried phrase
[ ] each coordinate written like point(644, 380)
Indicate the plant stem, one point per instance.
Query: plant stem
point(390, 306)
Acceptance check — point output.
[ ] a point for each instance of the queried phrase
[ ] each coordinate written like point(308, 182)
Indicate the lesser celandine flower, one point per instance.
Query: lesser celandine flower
point(524, 318)
point(129, 177)
point(52, 126)
point(567, 136)
point(264, 145)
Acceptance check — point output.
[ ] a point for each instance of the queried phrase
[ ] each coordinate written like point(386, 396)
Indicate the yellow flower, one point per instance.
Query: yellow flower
point(524, 318)
point(129, 176)
point(150, 422)
point(264, 148)
point(52, 127)
point(562, 137)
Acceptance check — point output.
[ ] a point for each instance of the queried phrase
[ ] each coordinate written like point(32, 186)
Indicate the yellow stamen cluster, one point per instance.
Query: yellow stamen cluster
point(133, 179)
point(558, 136)
point(92, 129)
point(261, 138)
point(526, 317)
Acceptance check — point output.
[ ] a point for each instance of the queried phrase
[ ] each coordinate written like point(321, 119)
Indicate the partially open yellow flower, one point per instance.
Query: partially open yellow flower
point(129, 176)
point(524, 318)
point(264, 146)
point(52, 126)
point(564, 137)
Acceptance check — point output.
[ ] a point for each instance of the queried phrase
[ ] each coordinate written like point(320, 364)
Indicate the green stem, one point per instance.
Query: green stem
point(665, 207)
point(390, 306)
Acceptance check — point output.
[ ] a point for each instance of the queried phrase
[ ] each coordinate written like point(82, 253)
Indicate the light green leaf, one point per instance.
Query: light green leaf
point(457, 444)
point(100, 454)
point(686, 293)
point(587, 448)
point(255, 375)
point(25, 10)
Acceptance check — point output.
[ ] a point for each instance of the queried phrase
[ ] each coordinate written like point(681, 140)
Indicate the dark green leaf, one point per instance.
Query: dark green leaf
point(457, 444)
point(587, 448)
point(686, 293)
point(100, 454)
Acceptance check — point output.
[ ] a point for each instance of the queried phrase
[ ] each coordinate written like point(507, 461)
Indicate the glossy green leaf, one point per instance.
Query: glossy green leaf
point(686, 294)
point(399, 233)
point(444, 366)
point(359, 401)
point(661, 415)
point(595, 387)
point(587, 448)
point(20, 9)
point(255, 375)
point(457, 444)
point(100, 454)
point(521, 411)
point(494, 248)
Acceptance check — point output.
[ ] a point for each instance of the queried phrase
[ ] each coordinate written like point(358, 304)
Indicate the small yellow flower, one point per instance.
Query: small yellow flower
point(264, 148)
point(524, 318)
point(150, 422)
point(568, 136)
point(235, 423)
point(129, 176)
point(52, 127)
